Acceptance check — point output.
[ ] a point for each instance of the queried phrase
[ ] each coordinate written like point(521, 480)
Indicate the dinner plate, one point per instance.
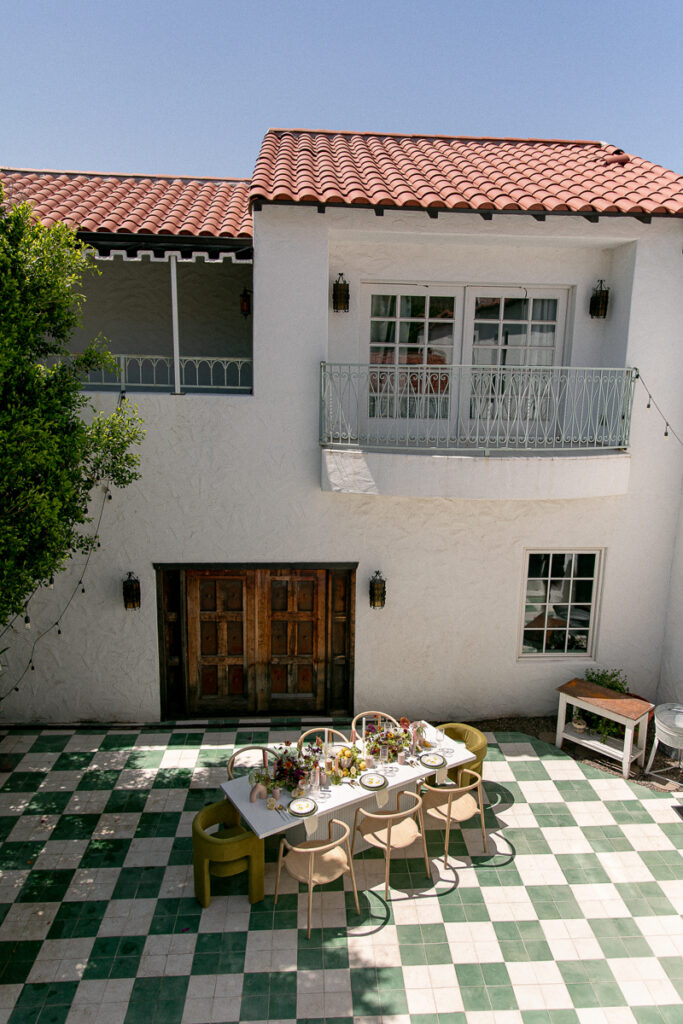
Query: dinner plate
point(302, 806)
point(433, 760)
point(372, 780)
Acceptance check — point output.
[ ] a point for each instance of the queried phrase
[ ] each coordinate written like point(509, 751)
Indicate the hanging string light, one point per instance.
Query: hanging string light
point(668, 429)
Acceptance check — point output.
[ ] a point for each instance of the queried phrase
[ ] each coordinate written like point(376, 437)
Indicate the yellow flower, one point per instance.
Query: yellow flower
point(345, 771)
point(362, 766)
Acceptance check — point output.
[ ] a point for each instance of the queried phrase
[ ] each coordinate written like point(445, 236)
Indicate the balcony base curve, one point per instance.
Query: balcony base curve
point(483, 478)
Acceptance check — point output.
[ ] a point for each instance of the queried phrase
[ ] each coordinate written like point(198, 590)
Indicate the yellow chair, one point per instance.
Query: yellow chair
point(445, 804)
point(229, 851)
point(474, 740)
point(392, 830)
point(317, 862)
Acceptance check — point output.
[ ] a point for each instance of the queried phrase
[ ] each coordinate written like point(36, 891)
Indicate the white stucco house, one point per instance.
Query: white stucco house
point(475, 426)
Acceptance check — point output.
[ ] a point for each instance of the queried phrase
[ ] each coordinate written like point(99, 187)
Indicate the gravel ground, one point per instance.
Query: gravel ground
point(666, 760)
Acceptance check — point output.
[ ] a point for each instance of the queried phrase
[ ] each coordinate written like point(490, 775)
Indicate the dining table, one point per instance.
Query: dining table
point(342, 799)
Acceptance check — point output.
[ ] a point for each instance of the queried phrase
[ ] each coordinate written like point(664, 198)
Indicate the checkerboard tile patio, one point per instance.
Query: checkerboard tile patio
point(572, 917)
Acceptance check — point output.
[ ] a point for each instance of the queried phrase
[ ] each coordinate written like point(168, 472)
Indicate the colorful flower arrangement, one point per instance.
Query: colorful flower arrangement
point(350, 763)
point(392, 738)
point(290, 770)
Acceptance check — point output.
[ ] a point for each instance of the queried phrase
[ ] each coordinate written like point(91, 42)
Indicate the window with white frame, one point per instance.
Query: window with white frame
point(560, 602)
point(411, 338)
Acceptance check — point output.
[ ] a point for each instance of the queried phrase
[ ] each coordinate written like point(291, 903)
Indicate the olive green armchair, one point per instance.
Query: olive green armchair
point(229, 851)
point(474, 740)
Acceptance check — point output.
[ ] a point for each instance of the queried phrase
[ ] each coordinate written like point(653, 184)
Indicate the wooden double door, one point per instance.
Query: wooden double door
point(267, 640)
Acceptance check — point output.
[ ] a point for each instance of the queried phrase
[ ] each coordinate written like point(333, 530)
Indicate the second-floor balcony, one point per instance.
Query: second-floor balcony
point(460, 409)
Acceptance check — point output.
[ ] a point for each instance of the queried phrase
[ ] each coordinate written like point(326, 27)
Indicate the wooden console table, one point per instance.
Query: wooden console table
point(631, 712)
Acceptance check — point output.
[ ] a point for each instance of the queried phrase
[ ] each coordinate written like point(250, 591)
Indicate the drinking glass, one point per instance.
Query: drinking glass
point(383, 759)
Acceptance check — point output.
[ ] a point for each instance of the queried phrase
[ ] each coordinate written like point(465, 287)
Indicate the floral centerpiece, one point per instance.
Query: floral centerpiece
point(395, 739)
point(349, 764)
point(290, 770)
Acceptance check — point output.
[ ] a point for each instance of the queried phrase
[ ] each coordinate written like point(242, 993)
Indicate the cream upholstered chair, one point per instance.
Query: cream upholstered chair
point(327, 732)
point(317, 862)
point(392, 830)
point(252, 761)
point(446, 804)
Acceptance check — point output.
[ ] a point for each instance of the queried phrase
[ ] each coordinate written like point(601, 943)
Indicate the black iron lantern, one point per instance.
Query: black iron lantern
point(340, 295)
point(599, 301)
point(378, 590)
point(131, 591)
point(245, 303)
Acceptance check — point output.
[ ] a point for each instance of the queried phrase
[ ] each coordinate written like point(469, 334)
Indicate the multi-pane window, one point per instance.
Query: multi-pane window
point(560, 602)
point(412, 335)
point(513, 331)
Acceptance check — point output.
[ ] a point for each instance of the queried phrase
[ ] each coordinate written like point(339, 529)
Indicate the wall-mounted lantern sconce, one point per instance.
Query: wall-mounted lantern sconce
point(378, 590)
point(340, 295)
point(131, 591)
point(599, 301)
point(245, 303)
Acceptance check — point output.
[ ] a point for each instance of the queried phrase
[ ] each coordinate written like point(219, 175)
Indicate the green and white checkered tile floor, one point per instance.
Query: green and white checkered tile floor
point(573, 916)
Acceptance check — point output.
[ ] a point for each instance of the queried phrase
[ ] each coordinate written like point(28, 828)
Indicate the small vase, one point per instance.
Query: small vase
point(579, 724)
point(276, 792)
point(258, 792)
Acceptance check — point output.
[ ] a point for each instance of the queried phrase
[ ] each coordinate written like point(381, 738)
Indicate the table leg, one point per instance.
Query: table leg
point(652, 754)
point(641, 740)
point(628, 748)
point(561, 716)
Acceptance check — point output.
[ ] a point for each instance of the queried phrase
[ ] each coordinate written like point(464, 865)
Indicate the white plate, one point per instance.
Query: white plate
point(372, 780)
point(302, 806)
point(432, 760)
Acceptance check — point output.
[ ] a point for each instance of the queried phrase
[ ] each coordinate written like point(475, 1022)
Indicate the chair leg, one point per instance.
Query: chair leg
point(310, 908)
point(483, 829)
point(256, 873)
point(353, 876)
point(424, 841)
point(387, 862)
point(279, 869)
point(448, 836)
point(202, 881)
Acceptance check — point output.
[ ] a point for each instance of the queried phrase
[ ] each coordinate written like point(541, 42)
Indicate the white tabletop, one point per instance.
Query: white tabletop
point(267, 823)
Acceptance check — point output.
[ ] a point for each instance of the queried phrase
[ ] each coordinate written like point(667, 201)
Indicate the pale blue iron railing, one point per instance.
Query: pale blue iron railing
point(475, 408)
point(197, 373)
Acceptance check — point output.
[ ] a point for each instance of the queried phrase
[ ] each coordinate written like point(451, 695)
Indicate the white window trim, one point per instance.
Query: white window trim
point(560, 293)
point(590, 653)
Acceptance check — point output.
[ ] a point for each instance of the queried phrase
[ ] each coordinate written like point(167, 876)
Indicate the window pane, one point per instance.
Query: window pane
point(439, 356)
point(413, 305)
point(514, 334)
point(538, 565)
point(382, 355)
point(485, 357)
point(487, 309)
point(516, 309)
point(577, 640)
point(560, 565)
point(544, 309)
point(585, 565)
point(540, 357)
point(485, 333)
point(382, 331)
point(441, 307)
point(383, 305)
point(533, 638)
point(582, 591)
point(411, 334)
point(410, 356)
point(542, 334)
point(441, 331)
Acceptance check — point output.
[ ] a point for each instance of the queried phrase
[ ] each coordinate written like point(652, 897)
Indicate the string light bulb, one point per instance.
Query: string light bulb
point(27, 621)
point(649, 402)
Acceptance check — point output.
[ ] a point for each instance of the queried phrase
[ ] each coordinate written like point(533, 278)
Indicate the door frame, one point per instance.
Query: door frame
point(173, 678)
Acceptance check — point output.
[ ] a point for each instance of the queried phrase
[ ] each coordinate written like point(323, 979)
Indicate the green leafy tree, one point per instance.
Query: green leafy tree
point(54, 447)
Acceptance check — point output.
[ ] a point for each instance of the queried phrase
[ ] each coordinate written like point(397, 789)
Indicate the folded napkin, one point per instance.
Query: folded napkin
point(382, 797)
point(442, 775)
point(311, 825)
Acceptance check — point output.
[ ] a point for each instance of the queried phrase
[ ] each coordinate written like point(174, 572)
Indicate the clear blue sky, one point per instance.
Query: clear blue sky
point(190, 86)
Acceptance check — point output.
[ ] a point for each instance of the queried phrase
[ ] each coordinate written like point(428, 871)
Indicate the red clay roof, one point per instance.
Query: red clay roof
point(134, 204)
point(439, 172)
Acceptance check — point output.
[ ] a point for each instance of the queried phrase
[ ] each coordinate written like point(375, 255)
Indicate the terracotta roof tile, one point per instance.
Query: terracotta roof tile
point(117, 203)
point(552, 175)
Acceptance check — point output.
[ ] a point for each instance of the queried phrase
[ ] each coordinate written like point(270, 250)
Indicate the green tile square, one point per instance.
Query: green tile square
point(22, 782)
point(105, 853)
point(309, 959)
point(19, 856)
point(145, 759)
point(576, 790)
point(181, 853)
point(119, 741)
point(255, 1007)
point(475, 998)
point(469, 975)
point(187, 739)
point(77, 920)
point(173, 778)
point(50, 743)
point(528, 771)
point(138, 883)
point(552, 815)
point(502, 997)
point(44, 1003)
point(606, 838)
point(628, 812)
point(527, 840)
point(645, 899)
point(115, 957)
point(553, 902)
point(393, 1001)
point(45, 886)
point(433, 933)
point(214, 758)
point(581, 868)
point(158, 824)
point(157, 1000)
point(48, 802)
point(664, 865)
point(414, 955)
point(16, 961)
point(126, 801)
point(99, 778)
point(198, 798)
point(172, 916)
point(409, 933)
point(7, 823)
point(75, 826)
point(72, 762)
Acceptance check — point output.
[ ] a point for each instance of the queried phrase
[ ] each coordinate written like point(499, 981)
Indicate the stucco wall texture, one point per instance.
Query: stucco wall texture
point(238, 479)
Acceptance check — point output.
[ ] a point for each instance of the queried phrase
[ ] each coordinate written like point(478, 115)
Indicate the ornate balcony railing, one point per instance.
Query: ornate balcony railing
point(475, 408)
point(156, 373)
